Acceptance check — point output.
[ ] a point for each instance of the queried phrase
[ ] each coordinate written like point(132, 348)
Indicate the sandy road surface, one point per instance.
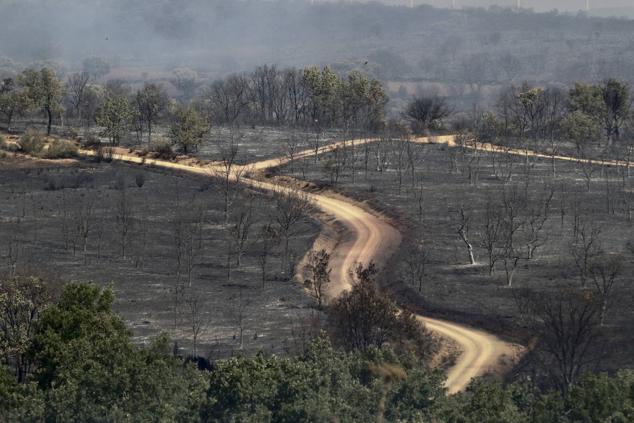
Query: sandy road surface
point(368, 238)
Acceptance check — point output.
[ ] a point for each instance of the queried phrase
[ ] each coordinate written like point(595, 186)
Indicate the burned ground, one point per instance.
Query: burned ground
point(47, 207)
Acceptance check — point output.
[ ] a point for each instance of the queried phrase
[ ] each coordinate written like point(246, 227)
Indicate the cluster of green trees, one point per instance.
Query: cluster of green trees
point(311, 96)
point(33, 90)
point(583, 114)
point(66, 356)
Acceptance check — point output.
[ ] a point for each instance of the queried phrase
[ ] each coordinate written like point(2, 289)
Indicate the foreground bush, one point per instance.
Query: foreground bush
point(163, 151)
point(81, 365)
point(32, 142)
point(60, 149)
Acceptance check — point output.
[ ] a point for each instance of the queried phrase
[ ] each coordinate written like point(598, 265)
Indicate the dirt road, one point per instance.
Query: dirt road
point(368, 237)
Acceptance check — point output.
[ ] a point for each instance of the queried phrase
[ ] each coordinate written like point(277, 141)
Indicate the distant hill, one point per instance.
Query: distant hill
point(626, 12)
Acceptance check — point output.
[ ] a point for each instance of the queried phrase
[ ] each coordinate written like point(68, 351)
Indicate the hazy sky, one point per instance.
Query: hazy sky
point(568, 5)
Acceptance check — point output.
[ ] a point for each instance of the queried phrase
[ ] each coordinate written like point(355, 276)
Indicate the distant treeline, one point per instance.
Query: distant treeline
point(310, 97)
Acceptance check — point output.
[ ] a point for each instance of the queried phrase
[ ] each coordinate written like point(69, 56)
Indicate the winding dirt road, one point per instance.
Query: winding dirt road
point(367, 237)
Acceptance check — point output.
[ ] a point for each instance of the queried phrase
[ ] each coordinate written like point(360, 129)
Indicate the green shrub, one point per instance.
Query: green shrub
point(32, 142)
point(164, 151)
point(60, 149)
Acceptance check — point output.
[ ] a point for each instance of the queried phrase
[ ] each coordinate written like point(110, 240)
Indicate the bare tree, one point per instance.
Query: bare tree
point(416, 259)
point(290, 150)
point(225, 101)
point(197, 321)
point(586, 247)
point(84, 220)
point(229, 172)
point(588, 169)
point(427, 113)
point(240, 305)
point(566, 324)
point(537, 214)
point(238, 230)
point(292, 209)
point(463, 232)
point(151, 102)
point(77, 83)
point(605, 272)
point(512, 225)
point(124, 219)
point(267, 238)
point(490, 233)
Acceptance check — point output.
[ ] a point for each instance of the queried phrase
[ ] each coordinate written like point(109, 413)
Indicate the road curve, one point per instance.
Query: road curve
point(367, 237)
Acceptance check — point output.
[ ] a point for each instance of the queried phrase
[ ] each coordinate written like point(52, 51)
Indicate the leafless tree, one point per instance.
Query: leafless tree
point(15, 253)
point(415, 157)
point(333, 165)
point(267, 239)
point(292, 209)
point(588, 169)
point(463, 220)
point(565, 323)
point(124, 219)
point(197, 320)
point(141, 241)
point(83, 218)
point(491, 233)
point(77, 83)
point(512, 225)
point(586, 247)
point(238, 231)
point(240, 305)
point(420, 199)
point(537, 214)
point(605, 272)
point(229, 172)
point(100, 229)
point(225, 101)
point(416, 259)
point(291, 147)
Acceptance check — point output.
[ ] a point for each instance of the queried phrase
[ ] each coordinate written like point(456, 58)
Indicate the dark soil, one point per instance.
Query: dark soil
point(42, 204)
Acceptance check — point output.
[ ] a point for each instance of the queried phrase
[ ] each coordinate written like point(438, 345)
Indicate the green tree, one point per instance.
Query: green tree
point(19, 402)
point(491, 403)
point(601, 398)
point(364, 102)
point(188, 130)
point(114, 116)
point(91, 370)
point(587, 99)
point(581, 128)
point(321, 385)
point(318, 273)
point(324, 89)
point(22, 299)
point(13, 101)
point(363, 318)
point(45, 90)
